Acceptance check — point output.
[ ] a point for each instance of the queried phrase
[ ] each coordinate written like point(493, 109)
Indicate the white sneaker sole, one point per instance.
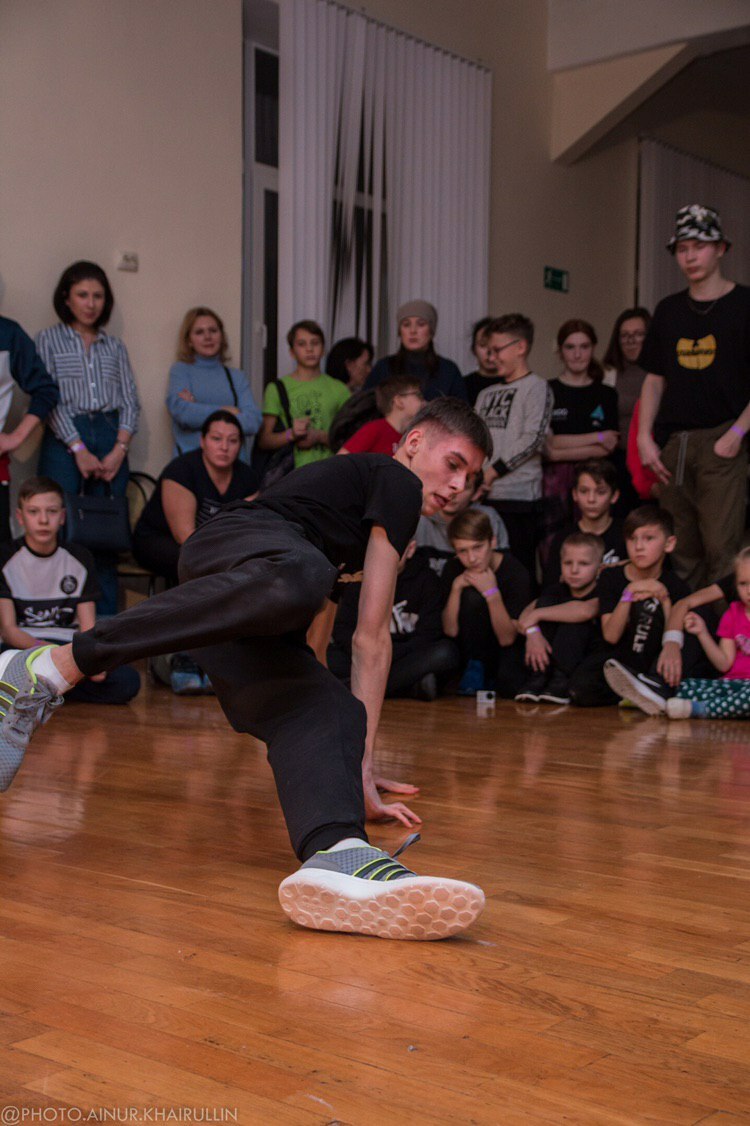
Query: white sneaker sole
point(420, 908)
point(630, 688)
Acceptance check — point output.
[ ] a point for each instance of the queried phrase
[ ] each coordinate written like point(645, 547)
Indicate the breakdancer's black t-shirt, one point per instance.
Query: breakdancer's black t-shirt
point(337, 501)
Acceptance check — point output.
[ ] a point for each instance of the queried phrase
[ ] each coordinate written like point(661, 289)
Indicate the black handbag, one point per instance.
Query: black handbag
point(272, 465)
point(98, 522)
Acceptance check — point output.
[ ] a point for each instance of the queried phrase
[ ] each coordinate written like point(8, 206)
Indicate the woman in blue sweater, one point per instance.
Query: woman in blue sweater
point(201, 383)
point(417, 322)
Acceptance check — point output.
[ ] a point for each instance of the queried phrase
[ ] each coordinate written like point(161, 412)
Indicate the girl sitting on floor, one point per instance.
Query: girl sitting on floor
point(729, 696)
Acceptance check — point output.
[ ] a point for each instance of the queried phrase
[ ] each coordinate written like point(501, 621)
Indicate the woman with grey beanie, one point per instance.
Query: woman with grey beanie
point(417, 322)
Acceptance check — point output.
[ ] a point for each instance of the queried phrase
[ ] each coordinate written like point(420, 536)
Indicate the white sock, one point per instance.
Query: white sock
point(348, 842)
point(44, 666)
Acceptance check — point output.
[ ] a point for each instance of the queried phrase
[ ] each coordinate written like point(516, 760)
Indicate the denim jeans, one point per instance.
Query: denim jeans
point(98, 432)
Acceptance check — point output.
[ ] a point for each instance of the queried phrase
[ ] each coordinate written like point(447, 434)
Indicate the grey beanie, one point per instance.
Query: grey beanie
point(422, 309)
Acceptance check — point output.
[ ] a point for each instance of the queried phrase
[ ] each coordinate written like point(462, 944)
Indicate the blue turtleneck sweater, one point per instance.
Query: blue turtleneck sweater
point(208, 382)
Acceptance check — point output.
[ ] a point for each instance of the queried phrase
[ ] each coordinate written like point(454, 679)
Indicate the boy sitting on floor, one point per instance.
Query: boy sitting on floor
point(595, 494)
point(398, 399)
point(635, 600)
point(561, 628)
point(47, 591)
point(485, 591)
point(422, 655)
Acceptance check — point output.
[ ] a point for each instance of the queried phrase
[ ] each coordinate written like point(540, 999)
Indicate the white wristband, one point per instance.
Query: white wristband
point(675, 635)
point(532, 629)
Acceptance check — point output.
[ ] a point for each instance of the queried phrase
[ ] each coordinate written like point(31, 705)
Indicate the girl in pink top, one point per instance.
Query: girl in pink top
point(729, 696)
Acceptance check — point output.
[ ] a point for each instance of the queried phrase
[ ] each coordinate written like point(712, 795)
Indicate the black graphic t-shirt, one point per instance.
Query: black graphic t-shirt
point(583, 410)
point(702, 351)
point(640, 643)
point(46, 589)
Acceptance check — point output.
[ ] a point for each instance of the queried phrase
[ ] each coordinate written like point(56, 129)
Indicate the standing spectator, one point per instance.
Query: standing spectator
point(350, 361)
point(314, 399)
point(622, 369)
point(200, 381)
point(417, 324)
point(517, 410)
point(696, 400)
point(91, 428)
point(584, 421)
point(486, 373)
point(19, 363)
point(623, 372)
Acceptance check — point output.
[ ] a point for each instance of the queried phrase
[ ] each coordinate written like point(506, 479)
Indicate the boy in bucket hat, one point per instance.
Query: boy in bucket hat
point(695, 401)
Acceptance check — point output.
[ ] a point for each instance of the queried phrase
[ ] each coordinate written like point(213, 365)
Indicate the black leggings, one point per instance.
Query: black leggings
point(251, 585)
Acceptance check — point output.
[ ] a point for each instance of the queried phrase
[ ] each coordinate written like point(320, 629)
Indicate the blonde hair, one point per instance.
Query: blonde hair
point(185, 351)
point(742, 556)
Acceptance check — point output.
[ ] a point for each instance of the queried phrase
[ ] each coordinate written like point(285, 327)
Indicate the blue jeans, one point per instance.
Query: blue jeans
point(98, 432)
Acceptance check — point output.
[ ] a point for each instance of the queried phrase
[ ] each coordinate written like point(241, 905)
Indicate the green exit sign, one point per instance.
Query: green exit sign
point(556, 279)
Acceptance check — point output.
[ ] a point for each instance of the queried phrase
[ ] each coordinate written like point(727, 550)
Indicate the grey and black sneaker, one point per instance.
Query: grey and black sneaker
point(26, 702)
point(363, 890)
point(648, 693)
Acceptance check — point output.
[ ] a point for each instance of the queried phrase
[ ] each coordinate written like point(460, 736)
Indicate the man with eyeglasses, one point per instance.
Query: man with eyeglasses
point(517, 410)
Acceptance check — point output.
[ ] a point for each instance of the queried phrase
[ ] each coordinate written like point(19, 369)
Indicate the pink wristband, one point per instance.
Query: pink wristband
point(490, 591)
point(738, 430)
point(627, 596)
point(289, 435)
point(532, 629)
point(600, 435)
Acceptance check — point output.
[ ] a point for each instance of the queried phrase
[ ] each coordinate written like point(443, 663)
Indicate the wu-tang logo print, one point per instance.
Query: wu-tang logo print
point(497, 407)
point(696, 354)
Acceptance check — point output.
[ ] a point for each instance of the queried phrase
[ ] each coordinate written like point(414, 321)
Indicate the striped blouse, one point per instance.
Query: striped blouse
point(98, 380)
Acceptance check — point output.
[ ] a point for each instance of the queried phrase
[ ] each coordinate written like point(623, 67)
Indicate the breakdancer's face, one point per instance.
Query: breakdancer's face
point(443, 462)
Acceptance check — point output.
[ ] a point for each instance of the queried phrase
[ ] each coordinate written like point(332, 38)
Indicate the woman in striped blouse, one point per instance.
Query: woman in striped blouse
point(92, 426)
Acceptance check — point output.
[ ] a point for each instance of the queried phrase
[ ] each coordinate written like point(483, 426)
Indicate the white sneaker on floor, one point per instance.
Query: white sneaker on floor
point(678, 708)
point(365, 891)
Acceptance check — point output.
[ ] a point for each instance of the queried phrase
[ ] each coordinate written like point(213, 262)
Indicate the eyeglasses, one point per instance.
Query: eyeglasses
point(631, 337)
point(501, 348)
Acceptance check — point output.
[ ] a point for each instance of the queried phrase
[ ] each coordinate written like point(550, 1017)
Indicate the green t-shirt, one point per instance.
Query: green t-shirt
point(318, 398)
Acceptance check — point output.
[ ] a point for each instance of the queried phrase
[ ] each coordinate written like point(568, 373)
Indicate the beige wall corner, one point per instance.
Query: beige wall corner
point(589, 100)
point(122, 130)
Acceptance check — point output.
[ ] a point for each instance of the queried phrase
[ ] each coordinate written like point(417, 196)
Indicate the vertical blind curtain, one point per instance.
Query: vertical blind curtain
point(384, 178)
point(669, 179)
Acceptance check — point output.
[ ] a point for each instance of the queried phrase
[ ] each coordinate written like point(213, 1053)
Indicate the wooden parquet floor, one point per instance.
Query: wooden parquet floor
point(146, 968)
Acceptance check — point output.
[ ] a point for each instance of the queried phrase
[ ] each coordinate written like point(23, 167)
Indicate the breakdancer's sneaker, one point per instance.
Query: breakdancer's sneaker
point(26, 702)
point(363, 890)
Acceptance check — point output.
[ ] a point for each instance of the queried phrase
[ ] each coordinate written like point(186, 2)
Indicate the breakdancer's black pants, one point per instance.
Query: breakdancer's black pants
point(250, 586)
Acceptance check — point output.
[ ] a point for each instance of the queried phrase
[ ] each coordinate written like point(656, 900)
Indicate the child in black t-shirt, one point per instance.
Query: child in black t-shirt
point(486, 591)
point(595, 493)
point(584, 422)
point(422, 655)
point(49, 591)
point(635, 600)
point(560, 627)
point(255, 579)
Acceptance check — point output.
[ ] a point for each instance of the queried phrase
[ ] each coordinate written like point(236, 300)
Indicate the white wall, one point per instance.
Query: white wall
point(588, 31)
point(122, 130)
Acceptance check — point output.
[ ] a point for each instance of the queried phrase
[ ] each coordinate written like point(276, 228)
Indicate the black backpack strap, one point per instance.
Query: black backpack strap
point(285, 406)
point(230, 381)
